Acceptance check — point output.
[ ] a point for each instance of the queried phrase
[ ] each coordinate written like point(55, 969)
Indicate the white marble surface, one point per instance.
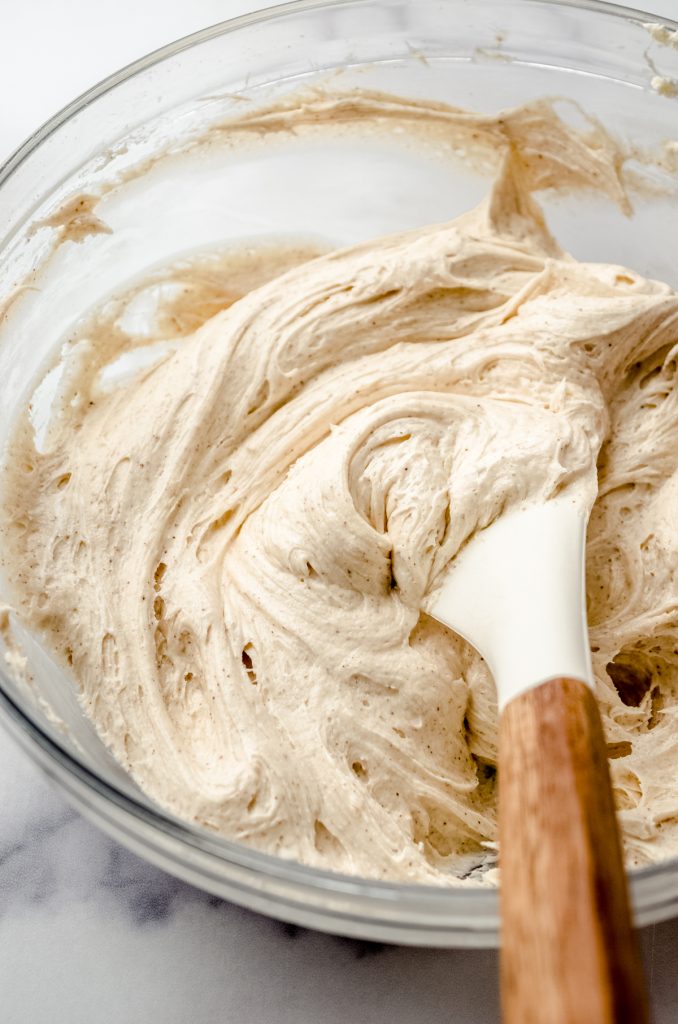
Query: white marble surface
point(90, 934)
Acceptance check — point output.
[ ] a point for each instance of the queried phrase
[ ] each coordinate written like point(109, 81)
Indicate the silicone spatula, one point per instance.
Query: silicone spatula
point(516, 593)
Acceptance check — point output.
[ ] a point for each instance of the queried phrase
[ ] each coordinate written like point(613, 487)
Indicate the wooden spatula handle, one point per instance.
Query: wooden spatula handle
point(569, 955)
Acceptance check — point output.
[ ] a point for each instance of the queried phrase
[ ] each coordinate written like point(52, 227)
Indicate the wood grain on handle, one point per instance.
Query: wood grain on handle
point(569, 955)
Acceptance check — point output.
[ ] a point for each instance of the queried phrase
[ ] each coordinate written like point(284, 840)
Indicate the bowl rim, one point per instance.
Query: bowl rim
point(478, 898)
point(263, 14)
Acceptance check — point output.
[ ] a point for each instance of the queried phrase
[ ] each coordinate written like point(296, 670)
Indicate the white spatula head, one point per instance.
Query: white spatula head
point(516, 592)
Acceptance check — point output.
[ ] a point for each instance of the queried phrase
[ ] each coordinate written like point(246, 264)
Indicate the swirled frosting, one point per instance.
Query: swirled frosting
point(233, 546)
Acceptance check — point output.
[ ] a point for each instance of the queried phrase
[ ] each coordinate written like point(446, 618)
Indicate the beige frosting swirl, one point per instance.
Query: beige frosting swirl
point(232, 548)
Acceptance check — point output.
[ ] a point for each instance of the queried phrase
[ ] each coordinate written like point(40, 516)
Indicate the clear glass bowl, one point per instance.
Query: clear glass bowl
point(482, 55)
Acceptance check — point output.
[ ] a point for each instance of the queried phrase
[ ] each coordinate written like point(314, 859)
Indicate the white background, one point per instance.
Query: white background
point(89, 934)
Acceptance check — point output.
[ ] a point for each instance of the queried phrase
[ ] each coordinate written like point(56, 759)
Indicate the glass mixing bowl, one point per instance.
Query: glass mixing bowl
point(333, 189)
